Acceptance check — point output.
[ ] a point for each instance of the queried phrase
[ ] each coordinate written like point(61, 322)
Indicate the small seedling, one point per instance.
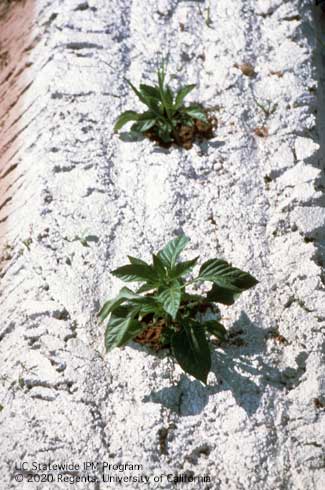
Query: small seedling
point(162, 314)
point(207, 16)
point(267, 106)
point(167, 119)
point(27, 243)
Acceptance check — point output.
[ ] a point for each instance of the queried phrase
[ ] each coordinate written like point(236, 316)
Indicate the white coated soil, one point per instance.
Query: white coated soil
point(257, 202)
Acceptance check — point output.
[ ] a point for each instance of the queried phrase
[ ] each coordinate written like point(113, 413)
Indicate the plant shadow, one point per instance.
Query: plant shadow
point(239, 368)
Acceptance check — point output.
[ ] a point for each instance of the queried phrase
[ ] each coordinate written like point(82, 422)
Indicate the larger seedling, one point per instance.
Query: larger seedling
point(167, 120)
point(161, 313)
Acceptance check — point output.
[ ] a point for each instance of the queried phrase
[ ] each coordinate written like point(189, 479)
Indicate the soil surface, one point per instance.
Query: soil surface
point(254, 200)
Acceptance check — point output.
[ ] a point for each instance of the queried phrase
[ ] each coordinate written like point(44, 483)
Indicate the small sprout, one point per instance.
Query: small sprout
point(207, 16)
point(166, 117)
point(162, 314)
point(1, 407)
point(28, 243)
point(267, 106)
point(21, 382)
point(247, 69)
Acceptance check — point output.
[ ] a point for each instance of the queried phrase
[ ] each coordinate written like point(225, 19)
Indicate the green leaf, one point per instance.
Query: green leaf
point(165, 134)
point(191, 349)
point(120, 331)
point(150, 102)
point(146, 287)
point(172, 250)
point(145, 121)
point(196, 112)
point(161, 77)
point(224, 275)
point(150, 91)
point(146, 304)
point(169, 97)
point(134, 260)
point(159, 267)
point(122, 311)
point(183, 268)
point(218, 294)
point(135, 273)
point(171, 298)
point(166, 95)
point(216, 329)
point(124, 118)
point(164, 131)
point(111, 305)
point(143, 126)
point(181, 94)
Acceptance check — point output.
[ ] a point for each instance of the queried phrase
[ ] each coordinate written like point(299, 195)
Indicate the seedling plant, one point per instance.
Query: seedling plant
point(162, 313)
point(167, 120)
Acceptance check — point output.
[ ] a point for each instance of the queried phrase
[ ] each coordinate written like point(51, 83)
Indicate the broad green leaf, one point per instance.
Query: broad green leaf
point(135, 273)
point(183, 268)
point(197, 113)
point(150, 91)
point(218, 294)
point(181, 94)
point(143, 126)
point(146, 287)
point(145, 304)
point(169, 97)
point(150, 102)
point(224, 275)
point(187, 121)
point(122, 311)
point(134, 260)
point(145, 121)
point(172, 250)
point(120, 331)
point(171, 298)
point(191, 349)
point(124, 295)
point(124, 118)
point(216, 329)
point(164, 131)
point(159, 267)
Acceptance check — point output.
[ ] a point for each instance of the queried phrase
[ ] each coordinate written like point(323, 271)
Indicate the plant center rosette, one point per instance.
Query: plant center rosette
point(158, 332)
